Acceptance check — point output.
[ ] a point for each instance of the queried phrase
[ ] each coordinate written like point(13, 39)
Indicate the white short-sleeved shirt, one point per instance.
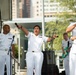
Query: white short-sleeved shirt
point(35, 42)
point(65, 43)
point(73, 33)
point(6, 41)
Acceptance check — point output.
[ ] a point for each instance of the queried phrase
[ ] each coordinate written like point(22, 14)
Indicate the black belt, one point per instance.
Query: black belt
point(33, 51)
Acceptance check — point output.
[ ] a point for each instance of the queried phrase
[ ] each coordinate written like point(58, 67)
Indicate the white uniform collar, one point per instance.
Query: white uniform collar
point(6, 34)
point(67, 39)
point(37, 35)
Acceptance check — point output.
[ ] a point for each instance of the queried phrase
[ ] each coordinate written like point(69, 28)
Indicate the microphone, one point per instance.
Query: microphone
point(57, 36)
point(13, 36)
point(16, 24)
point(68, 43)
point(12, 39)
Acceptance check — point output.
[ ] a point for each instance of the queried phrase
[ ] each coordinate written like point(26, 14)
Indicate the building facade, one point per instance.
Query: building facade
point(15, 8)
point(20, 8)
point(33, 8)
point(51, 8)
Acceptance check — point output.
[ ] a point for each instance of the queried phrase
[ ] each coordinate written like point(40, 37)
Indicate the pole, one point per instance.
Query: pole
point(10, 10)
point(43, 23)
point(0, 22)
point(19, 52)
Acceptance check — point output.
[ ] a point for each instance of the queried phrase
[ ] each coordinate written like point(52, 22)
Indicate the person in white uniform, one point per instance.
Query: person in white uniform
point(5, 43)
point(34, 56)
point(66, 44)
point(72, 59)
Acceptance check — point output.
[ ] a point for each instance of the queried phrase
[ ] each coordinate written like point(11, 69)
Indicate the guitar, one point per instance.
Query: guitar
point(66, 51)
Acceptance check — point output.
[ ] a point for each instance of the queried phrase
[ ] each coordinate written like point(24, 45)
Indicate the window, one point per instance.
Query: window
point(37, 10)
point(37, 6)
point(37, 14)
point(37, 2)
point(50, 15)
point(19, 0)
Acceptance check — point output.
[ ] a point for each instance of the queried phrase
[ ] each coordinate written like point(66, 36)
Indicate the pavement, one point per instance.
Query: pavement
point(22, 72)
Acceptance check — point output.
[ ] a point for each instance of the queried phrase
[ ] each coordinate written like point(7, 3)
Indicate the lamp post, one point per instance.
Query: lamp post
point(43, 23)
point(0, 22)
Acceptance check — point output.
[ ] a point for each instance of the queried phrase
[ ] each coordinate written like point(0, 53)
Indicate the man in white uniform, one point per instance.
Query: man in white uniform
point(66, 44)
point(72, 58)
point(34, 56)
point(5, 43)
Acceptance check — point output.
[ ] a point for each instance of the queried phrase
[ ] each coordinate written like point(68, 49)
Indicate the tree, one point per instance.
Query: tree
point(59, 28)
point(16, 51)
point(71, 4)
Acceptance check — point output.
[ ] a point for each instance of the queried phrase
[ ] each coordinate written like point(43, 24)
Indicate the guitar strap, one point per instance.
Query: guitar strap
point(68, 44)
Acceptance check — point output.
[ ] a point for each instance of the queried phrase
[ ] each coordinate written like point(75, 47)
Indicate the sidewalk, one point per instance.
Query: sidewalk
point(22, 72)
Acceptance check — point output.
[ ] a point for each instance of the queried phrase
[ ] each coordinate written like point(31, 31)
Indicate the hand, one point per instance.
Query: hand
point(19, 26)
point(63, 52)
point(75, 25)
point(54, 36)
point(12, 54)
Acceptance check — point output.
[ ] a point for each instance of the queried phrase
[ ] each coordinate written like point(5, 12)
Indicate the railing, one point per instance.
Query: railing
point(15, 65)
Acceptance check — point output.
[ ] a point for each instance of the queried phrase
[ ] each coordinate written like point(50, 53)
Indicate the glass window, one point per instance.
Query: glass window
point(37, 6)
point(37, 10)
point(19, 0)
point(37, 2)
point(37, 14)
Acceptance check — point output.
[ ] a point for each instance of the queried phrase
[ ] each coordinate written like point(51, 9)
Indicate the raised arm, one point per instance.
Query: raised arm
point(52, 38)
point(73, 38)
point(70, 28)
point(23, 29)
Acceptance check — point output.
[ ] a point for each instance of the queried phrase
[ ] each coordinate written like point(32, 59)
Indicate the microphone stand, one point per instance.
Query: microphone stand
point(9, 53)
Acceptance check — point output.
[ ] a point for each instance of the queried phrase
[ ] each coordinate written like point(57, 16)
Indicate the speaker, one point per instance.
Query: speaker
point(63, 73)
point(49, 67)
point(49, 57)
point(6, 9)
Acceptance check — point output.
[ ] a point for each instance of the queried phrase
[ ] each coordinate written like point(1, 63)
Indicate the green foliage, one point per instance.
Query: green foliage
point(16, 51)
point(58, 27)
point(66, 15)
point(69, 3)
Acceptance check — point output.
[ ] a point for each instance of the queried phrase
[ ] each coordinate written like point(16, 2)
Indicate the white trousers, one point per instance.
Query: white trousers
point(4, 59)
point(66, 65)
point(72, 64)
point(34, 61)
point(72, 60)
